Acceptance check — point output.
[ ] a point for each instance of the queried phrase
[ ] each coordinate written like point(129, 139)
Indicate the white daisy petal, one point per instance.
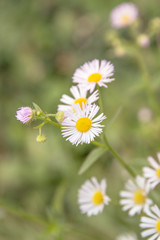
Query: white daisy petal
point(135, 199)
point(81, 126)
point(152, 173)
point(94, 198)
point(92, 73)
point(153, 237)
point(79, 96)
point(130, 236)
point(151, 223)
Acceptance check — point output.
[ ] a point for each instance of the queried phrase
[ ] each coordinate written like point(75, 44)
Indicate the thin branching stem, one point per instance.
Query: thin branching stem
point(116, 155)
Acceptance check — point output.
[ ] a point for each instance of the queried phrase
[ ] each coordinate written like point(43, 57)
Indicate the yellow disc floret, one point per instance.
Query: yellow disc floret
point(158, 226)
point(125, 19)
point(158, 172)
point(81, 101)
point(95, 77)
point(97, 198)
point(83, 124)
point(139, 197)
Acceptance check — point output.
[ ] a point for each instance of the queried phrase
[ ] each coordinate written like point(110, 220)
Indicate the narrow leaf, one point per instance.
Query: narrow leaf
point(37, 108)
point(93, 156)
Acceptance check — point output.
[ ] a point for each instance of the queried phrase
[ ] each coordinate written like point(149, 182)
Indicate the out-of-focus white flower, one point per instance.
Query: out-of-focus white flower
point(123, 15)
point(153, 173)
point(80, 96)
point(145, 114)
point(81, 126)
point(130, 236)
point(92, 196)
point(143, 40)
point(135, 198)
point(92, 73)
point(151, 223)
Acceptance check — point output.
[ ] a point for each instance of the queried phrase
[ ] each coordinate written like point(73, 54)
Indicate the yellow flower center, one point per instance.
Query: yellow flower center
point(125, 19)
point(83, 124)
point(97, 198)
point(158, 226)
point(80, 101)
point(95, 77)
point(139, 197)
point(158, 172)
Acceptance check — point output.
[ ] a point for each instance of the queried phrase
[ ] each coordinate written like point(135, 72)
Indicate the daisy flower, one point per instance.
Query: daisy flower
point(24, 114)
point(153, 173)
point(80, 96)
point(127, 237)
point(151, 223)
point(92, 197)
point(92, 73)
point(123, 15)
point(135, 198)
point(81, 126)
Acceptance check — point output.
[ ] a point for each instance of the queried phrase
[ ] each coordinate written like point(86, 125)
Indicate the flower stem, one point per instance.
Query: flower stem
point(100, 99)
point(147, 82)
point(116, 155)
point(50, 115)
point(99, 144)
point(53, 123)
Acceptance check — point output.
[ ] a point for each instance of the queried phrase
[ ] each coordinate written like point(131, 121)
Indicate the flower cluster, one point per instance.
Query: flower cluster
point(136, 199)
point(79, 121)
point(92, 198)
point(78, 114)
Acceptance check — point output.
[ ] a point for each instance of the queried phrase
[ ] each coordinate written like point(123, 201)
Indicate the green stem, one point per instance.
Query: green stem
point(53, 123)
point(100, 99)
point(98, 144)
point(122, 162)
point(146, 82)
point(40, 125)
point(46, 120)
point(50, 115)
point(40, 131)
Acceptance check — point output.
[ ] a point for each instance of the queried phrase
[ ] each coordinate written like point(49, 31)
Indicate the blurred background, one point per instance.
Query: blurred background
point(42, 42)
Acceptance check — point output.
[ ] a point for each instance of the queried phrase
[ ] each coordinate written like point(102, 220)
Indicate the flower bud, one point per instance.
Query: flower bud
point(143, 40)
point(39, 113)
point(119, 51)
point(25, 114)
point(41, 138)
point(59, 116)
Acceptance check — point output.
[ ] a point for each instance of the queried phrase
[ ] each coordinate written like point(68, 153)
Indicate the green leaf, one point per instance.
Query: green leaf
point(37, 108)
point(93, 156)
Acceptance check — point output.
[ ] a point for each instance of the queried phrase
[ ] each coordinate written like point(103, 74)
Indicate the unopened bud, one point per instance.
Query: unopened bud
point(41, 138)
point(25, 114)
point(143, 40)
point(119, 51)
point(59, 116)
point(39, 113)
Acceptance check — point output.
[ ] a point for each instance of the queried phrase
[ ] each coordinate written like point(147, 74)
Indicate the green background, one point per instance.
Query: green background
point(41, 44)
